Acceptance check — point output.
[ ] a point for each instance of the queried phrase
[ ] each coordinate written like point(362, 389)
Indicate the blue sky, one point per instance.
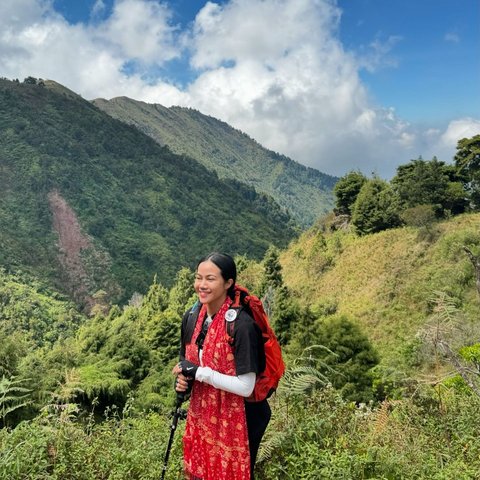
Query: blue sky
point(436, 72)
point(334, 84)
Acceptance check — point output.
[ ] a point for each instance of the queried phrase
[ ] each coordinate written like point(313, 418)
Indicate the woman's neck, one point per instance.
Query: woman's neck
point(214, 307)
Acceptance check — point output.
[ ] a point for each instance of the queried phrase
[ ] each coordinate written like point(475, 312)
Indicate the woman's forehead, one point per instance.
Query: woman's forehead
point(208, 268)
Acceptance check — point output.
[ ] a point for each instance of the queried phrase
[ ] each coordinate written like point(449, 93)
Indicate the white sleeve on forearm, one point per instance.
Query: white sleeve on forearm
point(240, 385)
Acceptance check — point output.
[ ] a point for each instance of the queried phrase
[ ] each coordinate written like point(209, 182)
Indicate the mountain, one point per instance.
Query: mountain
point(305, 192)
point(93, 205)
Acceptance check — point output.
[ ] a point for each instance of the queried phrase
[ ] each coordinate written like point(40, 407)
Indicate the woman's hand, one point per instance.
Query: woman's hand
point(182, 384)
point(185, 372)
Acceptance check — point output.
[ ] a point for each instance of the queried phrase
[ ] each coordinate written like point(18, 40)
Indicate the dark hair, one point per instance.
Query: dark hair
point(227, 267)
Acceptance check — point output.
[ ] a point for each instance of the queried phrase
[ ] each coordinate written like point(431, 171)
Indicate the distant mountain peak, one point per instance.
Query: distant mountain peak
point(304, 192)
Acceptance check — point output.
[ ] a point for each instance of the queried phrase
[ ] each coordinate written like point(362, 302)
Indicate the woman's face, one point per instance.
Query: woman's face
point(210, 286)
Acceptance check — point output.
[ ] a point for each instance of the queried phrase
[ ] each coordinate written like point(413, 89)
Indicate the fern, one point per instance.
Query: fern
point(270, 443)
point(12, 396)
point(301, 380)
point(382, 417)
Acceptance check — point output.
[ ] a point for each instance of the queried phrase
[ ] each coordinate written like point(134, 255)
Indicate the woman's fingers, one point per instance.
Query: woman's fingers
point(181, 384)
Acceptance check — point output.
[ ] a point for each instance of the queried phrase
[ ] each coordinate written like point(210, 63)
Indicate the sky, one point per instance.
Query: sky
point(338, 85)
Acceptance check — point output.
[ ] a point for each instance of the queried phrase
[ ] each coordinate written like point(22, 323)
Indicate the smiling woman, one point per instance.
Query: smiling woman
point(223, 430)
point(211, 287)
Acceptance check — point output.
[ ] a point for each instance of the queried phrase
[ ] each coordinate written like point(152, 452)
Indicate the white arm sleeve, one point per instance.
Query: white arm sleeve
point(240, 385)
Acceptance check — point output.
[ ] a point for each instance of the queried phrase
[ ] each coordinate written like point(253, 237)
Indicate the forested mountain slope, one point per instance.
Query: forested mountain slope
point(94, 205)
point(305, 192)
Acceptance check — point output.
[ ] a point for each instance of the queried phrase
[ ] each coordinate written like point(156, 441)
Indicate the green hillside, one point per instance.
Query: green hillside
point(386, 282)
point(305, 192)
point(31, 311)
point(91, 204)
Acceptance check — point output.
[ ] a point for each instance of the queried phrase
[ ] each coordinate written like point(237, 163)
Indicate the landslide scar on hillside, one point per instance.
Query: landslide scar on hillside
point(84, 267)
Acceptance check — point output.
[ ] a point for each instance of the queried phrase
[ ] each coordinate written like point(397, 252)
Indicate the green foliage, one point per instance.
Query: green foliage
point(285, 315)
point(432, 183)
point(471, 353)
point(321, 436)
point(424, 218)
point(376, 208)
point(304, 192)
point(27, 306)
point(134, 350)
point(182, 292)
point(102, 383)
point(314, 434)
point(349, 352)
point(156, 300)
point(13, 395)
point(467, 162)
point(418, 185)
point(279, 304)
point(273, 270)
point(13, 347)
point(120, 447)
point(419, 216)
point(346, 191)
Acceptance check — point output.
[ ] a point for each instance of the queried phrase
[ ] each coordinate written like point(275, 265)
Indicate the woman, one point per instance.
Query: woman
point(223, 431)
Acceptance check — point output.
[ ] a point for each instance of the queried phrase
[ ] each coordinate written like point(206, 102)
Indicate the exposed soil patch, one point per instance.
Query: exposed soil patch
point(84, 267)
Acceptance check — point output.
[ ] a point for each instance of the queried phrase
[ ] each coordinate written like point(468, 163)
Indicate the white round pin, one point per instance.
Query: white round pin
point(230, 315)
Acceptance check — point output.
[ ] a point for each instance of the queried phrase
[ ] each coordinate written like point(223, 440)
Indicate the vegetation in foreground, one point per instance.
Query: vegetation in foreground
point(314, 434)
point(95, 404)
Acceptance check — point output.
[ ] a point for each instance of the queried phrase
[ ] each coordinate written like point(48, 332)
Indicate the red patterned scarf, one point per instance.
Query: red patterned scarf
point(215, 444)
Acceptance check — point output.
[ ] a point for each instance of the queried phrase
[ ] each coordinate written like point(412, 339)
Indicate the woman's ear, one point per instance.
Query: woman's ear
point(229, 283)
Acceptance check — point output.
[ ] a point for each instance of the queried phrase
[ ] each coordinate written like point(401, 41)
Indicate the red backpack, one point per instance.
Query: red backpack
point(267, 381)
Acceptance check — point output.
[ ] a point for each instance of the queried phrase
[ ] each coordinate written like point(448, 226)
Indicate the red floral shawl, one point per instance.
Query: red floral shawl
point(215, 444)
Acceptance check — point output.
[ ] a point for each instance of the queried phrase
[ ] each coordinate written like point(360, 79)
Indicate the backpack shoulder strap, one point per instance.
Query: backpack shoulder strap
point(191, 321)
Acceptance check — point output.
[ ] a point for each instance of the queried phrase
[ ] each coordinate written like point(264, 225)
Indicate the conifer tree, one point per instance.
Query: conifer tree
point(349, 353)
point(283, 310)
point(376, 208)
point(467, 162)
point(346, 191)
point(156, 300)
point(181, 294)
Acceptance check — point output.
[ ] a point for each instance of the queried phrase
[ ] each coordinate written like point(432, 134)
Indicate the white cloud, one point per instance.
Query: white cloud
point(98, 9)
point(461, 128)
point(272, 68)
point(277, 71)
point(90, 59)
point(260, 31)
point(378, 54)
point(443, 143)
point(141, 30)
point(452, 37)
point(446, 144)
point(16, 14)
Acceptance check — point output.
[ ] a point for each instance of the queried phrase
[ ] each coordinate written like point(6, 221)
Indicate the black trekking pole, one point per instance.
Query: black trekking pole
point(178, 414)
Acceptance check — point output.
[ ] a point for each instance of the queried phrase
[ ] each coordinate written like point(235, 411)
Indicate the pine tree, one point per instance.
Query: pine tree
point(281, 308)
